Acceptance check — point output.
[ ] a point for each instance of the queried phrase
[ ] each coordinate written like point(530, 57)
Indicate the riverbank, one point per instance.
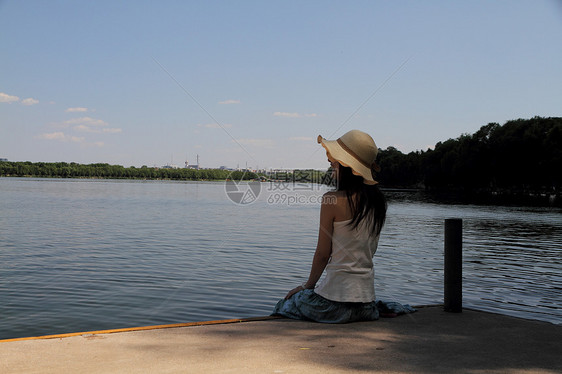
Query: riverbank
point(428, 341)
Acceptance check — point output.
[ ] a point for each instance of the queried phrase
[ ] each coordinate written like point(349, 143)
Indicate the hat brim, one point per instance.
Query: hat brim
point(335, 151)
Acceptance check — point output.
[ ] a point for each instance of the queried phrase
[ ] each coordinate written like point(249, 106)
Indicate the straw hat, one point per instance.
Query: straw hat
point(356, 150)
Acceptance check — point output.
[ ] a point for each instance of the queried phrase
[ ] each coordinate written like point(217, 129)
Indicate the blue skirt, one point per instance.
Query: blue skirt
point(308, 305)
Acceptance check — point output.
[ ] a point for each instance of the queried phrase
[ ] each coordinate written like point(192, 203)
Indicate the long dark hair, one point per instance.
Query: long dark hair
point(366, 201)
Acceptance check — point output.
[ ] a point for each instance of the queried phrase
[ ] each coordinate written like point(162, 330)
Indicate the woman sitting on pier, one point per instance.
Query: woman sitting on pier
point(351, 219)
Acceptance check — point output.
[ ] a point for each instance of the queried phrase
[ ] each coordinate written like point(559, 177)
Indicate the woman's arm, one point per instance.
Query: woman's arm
point(323, 247)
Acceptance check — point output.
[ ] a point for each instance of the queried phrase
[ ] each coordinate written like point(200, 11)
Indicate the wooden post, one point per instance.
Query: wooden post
point(453, 265)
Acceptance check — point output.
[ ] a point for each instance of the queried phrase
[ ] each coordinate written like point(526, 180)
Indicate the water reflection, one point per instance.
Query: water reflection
point(111, 254)
point(512, 255)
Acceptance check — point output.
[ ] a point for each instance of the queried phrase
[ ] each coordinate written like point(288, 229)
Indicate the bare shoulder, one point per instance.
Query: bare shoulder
point(335, 203)
point(332, 197)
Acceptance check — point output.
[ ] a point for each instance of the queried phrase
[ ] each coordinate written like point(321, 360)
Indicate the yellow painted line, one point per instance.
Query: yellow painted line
point(143, 328)
point(156, 327)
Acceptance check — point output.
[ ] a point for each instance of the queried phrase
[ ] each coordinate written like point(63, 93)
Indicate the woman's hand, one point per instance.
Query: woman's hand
point(293, 291)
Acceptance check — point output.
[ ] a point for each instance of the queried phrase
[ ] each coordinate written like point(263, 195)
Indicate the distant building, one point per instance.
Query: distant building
point(196, 166)
point(3, 159)
point(187, 166)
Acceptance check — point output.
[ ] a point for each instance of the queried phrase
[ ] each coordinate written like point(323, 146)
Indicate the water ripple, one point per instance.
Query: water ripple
point(79, 255)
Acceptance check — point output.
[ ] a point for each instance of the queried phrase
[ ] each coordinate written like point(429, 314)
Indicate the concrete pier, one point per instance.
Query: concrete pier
point(428, 341)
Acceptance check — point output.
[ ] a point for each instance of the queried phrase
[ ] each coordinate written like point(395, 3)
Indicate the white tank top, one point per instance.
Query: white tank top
point(349, 274)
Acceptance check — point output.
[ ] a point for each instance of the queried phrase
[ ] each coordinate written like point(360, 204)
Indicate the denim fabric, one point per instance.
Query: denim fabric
point(308, 305)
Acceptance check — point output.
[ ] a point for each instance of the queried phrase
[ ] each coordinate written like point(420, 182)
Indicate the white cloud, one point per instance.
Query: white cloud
point(76, 139)
point(83, 128)
point(5, 98)
point(96, 130)
point(52, 136)
point(87, 124)
point(294, 115)
point(88, 121)
point(265, 143)
point(29, 101)
point(60, 136)
point(230, 102)
point(285, 114)
point(302, 138)
point(77, 109)
point(112, 130)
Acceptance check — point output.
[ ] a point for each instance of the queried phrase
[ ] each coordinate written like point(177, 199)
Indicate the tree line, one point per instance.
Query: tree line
point(75, 170)
point(522, 158)
point(519, 159)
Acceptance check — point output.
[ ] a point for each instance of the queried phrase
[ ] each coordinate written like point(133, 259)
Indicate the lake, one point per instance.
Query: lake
point(80, 255)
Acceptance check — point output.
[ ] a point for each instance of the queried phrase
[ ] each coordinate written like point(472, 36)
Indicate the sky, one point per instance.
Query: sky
point(253, 83)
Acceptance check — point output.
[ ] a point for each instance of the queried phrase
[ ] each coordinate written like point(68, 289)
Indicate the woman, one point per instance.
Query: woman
point(351, 219)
